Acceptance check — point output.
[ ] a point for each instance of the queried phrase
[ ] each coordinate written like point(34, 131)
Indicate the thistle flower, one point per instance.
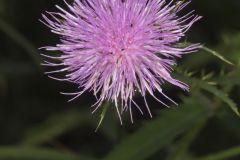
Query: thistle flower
point(119, 48)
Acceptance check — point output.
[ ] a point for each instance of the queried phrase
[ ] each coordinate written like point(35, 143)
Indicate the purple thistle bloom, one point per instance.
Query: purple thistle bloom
point(118, 48)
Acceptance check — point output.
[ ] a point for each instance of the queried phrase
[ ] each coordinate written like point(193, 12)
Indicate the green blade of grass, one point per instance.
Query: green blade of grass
point(223, 155)
point(181, 148)
point(158, 133)
point(37, 154)
point(55, 126)
point(20, 40)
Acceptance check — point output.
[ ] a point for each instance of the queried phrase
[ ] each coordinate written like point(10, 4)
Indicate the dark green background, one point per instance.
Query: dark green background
point(36, 122)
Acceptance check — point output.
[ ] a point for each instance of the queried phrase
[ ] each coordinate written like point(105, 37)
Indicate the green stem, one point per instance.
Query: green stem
point(20, 40)
point(185, 142)
point(223, 155)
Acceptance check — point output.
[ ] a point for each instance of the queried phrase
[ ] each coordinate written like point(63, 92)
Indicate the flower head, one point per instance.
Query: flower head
point(117, 48)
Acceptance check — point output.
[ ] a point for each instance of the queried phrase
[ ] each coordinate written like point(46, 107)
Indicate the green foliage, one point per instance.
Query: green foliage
point(55, 126)
point(218, 93)
point(158, 133)
point(180, 149)
point(21, 40)
point(223, 155)
point(23, 153)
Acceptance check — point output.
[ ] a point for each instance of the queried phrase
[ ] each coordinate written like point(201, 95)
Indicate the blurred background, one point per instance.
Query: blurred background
point(37, 123)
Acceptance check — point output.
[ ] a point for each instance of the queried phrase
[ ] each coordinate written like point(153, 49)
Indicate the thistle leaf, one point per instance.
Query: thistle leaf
point(212, 89)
